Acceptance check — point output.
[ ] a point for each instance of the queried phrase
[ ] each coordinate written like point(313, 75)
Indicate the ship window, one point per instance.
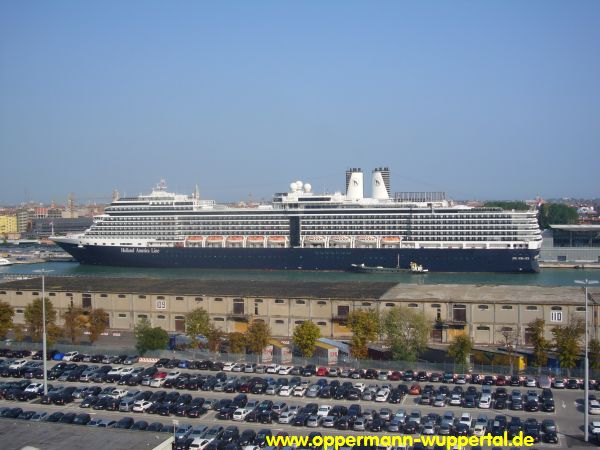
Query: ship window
point(507, 307)
point(141, 296)
point(178, 298)
point(279, 301)
point(531, 308)
point(483, 307)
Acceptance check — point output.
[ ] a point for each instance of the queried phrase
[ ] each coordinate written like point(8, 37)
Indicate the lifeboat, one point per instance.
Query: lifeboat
point(214, 241)
point(276, 241)
point(255, 241)
point(235, 241)
point(195, 238)
point(194, 241)
point(390, 241)
point(340, 241)
point(315, 240)
point(366, 241)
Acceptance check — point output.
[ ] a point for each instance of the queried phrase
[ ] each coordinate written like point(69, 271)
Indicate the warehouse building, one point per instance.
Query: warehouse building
point(488, 313)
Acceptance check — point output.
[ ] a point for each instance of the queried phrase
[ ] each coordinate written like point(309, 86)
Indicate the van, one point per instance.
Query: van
point(544, 382)
point(126, 404)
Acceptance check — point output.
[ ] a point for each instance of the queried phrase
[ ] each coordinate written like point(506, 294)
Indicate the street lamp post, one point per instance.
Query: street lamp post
point(44, 349)
point(586, 399)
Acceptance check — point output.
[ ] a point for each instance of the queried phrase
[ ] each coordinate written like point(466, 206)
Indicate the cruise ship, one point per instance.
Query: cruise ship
point(301, 230)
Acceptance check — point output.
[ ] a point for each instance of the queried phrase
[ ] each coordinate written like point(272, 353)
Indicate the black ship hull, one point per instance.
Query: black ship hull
point(435, 260)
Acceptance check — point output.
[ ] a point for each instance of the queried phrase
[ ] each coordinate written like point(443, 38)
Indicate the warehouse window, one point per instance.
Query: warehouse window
point(459, 313)
point(389, 304)
point(103, 295)
point(506, 329)
point(322, 324)
point(218, 299)
point(279, 301)
point(507, 307)
point(141, 296)
point(3, 292)
point(279, 321)
point(300, 302)
point(321, 302)
point(413, 305)
point(19, 293)
point(531, 308)
point(178, 298)
point(483, 328)
point(219, 319)
point(52, 294)
point(581, 308)
point(556, 308)
point(483, 307)
point(238, 306)
point(298, 322)
point(142, 316)
point(35, 293)
point(160, 297)
point(199, 299)
point(19, 311)
point(366, 304)
point(122, 296)
point(122, 315)
point(436, 305)
point(160, 317)
point(180, 318)
point(258, 300)
point(68, 294)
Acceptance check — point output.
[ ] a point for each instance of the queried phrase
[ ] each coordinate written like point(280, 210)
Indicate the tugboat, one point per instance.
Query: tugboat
point(413, 268)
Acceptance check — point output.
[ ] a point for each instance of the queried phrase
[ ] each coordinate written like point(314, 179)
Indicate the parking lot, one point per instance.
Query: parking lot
point(411, 405)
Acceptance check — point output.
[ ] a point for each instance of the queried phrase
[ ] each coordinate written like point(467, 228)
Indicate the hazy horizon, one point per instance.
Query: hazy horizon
point(481, 100)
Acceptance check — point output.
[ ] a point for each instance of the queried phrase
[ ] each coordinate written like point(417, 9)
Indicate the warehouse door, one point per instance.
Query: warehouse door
point(180, 324)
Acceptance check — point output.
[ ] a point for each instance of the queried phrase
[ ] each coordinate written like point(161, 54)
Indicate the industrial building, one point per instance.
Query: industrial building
point(488, 313)
point(577, 244)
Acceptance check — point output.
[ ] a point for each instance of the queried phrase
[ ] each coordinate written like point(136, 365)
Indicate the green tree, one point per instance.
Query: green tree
point(258, 336)
point(594, 354)
point(19, 332)
point(305, 338)
point(149, 338)
point(237, 342)
point(406, 332)
point(536, 329)
point(197, 323)
point(460, 349)
point(75, 323)
point(507, 205)
point(567, 339)
point(33, 320)
point(214, 336)
point(6, 318)
point(365, 327)
point(556, 214)
point(97, 322)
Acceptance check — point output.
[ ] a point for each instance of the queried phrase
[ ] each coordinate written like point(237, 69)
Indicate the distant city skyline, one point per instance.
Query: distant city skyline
point(481, 100)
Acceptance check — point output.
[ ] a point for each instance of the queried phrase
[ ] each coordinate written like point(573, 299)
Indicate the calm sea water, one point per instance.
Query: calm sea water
point(547, 277)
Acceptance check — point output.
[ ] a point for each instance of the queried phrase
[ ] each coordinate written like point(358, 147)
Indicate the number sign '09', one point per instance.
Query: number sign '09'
point(161, 304)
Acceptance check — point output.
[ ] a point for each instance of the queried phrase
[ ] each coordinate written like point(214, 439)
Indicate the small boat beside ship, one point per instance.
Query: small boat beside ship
point(5, 262)
point(413, 268)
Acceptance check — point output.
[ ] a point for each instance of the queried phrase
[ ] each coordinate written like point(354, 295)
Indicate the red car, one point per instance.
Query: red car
point(322, 372)
point(415, 389)
point(500, 380)
point(394, 376)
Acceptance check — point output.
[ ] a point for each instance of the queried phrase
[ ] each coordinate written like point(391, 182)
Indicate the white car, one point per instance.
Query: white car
point(299, 391)
point(382, 395)
point(157, 382)
point(595, 427)
point(485, 402)
point(479, 430)
point(127, 371)
point(119, 393)
point(228, 366)
point(323, 410)
point(34, 387)
point(284, 370)
point(465, 418)
point(69, 356)
point(530, 382)
point(17, 364)
point(238, 367)
point(455, 400)
point(285, 391)
point(173, 375)
point(141, 406)
point(200, 443)
point(241, 413)
point(360, 386)
point(273, 368)
point(594, 407)
point(287, 417)
point(116, 371)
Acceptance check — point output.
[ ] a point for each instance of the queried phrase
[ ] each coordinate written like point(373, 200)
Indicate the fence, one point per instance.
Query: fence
point(346, 362)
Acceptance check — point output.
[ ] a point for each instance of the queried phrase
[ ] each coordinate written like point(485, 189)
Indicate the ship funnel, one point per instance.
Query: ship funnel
point(381, 183)
point(354, 184)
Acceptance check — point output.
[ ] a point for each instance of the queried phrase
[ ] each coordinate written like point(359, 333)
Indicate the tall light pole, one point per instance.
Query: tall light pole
point(586, 399)
point(44, 349)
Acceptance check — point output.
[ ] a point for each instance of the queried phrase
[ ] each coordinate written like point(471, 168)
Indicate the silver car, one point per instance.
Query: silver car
point(313, 421)
point(313, 391)
point(328, 422)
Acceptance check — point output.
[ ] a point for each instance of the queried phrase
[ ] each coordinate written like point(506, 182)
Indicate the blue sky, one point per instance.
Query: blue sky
point(484, 100)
